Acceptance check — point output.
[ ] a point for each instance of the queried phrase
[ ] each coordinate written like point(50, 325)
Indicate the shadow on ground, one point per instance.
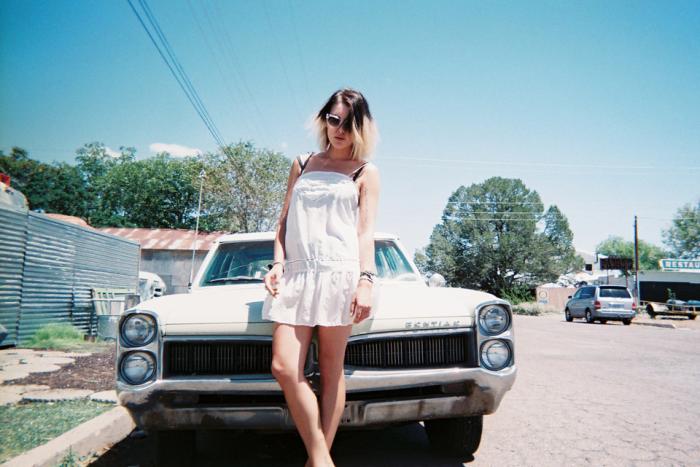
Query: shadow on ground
point(401, 446)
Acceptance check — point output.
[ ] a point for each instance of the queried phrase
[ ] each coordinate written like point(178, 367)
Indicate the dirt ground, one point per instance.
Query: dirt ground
point(94, 372)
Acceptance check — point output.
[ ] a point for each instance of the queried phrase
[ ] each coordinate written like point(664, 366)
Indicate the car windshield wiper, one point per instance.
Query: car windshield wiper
point(235, 279)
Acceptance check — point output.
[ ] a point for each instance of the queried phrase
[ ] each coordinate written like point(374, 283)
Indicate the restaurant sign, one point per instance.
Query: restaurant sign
point(682, 265)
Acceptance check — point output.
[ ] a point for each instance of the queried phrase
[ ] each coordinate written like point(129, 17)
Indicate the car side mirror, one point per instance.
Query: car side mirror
point(131, 300)
point(436, 280)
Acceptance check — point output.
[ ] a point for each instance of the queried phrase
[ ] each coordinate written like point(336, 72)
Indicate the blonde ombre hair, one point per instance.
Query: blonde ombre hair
point(364, 130)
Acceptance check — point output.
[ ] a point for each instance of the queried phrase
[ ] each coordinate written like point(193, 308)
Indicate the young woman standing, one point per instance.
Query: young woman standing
point(323, 271)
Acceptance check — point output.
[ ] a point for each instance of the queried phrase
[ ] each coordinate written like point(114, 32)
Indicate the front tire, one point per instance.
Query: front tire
point(627, 321)
point(567, 315)
point(455, 436)
point(589, 317)
point(175, 448)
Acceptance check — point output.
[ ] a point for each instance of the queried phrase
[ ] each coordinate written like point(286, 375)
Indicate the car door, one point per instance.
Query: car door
point(586, 300)
point(574, 304)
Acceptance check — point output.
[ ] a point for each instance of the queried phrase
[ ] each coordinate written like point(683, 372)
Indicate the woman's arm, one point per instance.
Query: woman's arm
point(369, 199)
point(282, 223)
point(275, 273)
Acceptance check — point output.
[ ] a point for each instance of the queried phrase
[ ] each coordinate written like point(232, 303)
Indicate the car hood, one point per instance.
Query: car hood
point(237, 309)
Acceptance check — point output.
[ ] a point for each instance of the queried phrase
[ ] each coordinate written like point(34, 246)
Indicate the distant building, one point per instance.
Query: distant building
point(168, 252)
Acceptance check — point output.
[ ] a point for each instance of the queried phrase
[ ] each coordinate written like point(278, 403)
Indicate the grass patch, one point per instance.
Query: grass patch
point(26, 426)
point(533, 309)
point(64, 337)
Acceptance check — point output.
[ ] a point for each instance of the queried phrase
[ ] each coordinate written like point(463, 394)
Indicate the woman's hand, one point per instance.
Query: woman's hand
point(361, 302)
point(272, 279)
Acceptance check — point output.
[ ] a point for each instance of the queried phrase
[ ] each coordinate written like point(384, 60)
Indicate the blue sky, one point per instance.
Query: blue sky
point(593, 104)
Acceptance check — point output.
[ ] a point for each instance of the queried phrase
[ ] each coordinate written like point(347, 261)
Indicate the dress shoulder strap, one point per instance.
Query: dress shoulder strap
point(303, 160)
point(356, 173)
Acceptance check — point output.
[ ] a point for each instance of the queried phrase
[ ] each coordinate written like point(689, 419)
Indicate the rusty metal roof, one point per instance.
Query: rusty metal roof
point(165, 239)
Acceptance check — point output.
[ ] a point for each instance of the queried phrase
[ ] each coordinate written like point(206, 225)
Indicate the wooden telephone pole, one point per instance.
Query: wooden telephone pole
point(636, 260)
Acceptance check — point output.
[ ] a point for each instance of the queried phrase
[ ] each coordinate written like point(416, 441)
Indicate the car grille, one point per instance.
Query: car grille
point(231, 358)
point(414, 351)
point(216, 358)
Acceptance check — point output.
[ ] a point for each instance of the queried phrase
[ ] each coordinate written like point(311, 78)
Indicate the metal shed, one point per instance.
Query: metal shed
point(48, 267)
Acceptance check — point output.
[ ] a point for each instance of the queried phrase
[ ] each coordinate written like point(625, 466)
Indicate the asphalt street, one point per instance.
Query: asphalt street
point(586, 394)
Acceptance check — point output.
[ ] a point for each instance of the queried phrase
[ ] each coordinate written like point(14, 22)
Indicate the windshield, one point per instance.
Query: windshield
point(246, 262)
point(614, 292)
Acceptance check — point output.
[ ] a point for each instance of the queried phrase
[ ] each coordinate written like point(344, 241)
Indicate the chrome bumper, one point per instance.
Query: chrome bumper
point(482, 393)
point(614, 313)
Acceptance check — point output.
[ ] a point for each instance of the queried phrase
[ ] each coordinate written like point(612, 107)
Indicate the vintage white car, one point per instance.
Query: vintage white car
point(202, 360)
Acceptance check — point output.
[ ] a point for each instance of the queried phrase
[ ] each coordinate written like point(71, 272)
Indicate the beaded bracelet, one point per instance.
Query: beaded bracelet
point(367, 275)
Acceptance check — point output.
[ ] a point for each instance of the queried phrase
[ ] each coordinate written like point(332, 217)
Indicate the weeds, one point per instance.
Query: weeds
point(62, 337)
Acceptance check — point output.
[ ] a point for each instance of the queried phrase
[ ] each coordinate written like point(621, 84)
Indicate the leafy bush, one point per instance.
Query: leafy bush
point(517, 295)
point(57, 337)
point(532, 309)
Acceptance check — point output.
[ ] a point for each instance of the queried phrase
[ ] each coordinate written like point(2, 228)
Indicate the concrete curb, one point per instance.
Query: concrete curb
point(102, 431)
point(656, 325)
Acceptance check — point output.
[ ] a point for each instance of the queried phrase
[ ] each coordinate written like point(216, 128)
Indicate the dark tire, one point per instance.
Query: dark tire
point(692, 316)
point(603, 321)
point(567, 315)
point(589, 317)
point(458, 437)
point(650, 312)
point(175, 448)
point(627, 321)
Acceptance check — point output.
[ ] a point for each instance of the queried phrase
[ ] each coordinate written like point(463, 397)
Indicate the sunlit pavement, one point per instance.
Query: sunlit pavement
point(586, 394)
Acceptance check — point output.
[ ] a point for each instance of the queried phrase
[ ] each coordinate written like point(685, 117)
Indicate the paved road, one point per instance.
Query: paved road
point(585, 395)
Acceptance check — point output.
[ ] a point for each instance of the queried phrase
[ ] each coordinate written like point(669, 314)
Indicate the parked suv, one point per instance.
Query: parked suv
point(602, 303)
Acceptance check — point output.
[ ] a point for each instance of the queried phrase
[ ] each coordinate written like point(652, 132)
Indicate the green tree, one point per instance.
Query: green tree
point(649, 254)
point(244, 188)
point(158, 192)
point(56, 187)
point(489, 239)
point(94, 164)
point(684, 235)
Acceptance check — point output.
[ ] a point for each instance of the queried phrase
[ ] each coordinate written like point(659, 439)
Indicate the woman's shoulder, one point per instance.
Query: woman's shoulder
point(370, 166)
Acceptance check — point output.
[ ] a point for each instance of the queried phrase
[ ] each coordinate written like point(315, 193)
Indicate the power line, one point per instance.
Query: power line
point(279, 54)
point(671, 218)
point(179, 74)
point(449, 163)
point(299, 50)
point(248, 122)
point(230, 53)
point(525, 203)
point(183, 74)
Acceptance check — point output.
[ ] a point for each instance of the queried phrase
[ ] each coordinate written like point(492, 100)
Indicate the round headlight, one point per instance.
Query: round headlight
point(138, 367)
point(495, 354)
point(493, 319)
point(138, 330)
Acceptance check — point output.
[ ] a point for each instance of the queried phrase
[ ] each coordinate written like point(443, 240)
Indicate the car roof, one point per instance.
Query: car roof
point(257, 236)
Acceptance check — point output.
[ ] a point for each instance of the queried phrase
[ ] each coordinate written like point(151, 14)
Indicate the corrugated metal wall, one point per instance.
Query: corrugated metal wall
point(13, 235)
point(52, 265)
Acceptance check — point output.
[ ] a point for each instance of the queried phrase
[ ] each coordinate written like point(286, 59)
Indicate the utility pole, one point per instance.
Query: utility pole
point(636, 260)
point(196, 228)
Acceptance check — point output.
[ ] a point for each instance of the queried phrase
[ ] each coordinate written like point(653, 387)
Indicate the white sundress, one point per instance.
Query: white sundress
point(322, 265)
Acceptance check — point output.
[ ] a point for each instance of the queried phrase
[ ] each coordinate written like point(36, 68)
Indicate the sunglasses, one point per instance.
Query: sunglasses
point(335, 122)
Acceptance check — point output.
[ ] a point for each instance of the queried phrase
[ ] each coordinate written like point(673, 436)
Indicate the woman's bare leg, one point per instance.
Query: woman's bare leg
point(332, 341)
point(290, 345)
